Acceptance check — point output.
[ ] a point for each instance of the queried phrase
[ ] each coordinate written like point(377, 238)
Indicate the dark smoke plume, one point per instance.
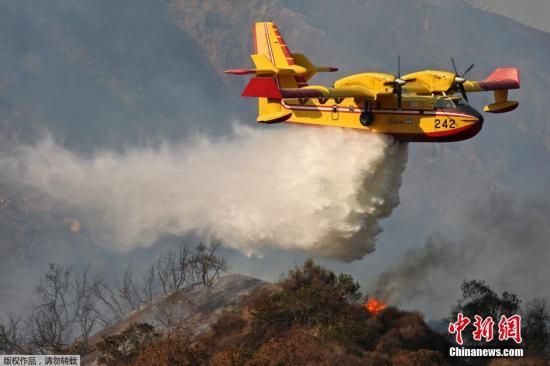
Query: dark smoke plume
point(505, 242)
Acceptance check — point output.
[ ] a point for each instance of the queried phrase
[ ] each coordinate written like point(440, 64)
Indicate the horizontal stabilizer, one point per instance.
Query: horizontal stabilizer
point(264, 67)
point(240, 71)
point(503, 78)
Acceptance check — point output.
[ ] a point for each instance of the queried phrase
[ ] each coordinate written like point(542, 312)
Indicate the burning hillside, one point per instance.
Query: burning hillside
point(375, 306)
point(312, 316)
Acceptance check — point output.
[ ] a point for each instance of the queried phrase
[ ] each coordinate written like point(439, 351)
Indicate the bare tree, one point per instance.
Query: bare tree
point(50, 322)
point(74, 305)
point(85, 316)
point(128, 290)
point(149, 284)
point(169, 314)
point(172, 269)
point(206, 265)
point(537, 327)
point(64, 312)
point(107, 305)
point(11, 338)
point(137, 292)
point(184, 268)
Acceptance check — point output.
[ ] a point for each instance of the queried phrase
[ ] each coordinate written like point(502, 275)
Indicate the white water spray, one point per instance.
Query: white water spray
point(319, 190)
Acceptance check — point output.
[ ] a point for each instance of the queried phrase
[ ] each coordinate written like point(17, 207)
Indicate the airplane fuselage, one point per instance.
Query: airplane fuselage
point(420, 119)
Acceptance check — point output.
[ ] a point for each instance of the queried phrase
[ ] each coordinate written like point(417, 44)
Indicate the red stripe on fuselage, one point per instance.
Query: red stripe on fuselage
point(458, 134)
point(448, 132)
point(464, 133)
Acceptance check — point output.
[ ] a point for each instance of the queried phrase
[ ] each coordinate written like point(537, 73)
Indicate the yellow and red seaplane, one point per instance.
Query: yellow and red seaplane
point(428, 106)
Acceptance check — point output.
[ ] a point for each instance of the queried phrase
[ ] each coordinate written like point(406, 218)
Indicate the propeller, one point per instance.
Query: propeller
point(398, 83)
point(459, 79)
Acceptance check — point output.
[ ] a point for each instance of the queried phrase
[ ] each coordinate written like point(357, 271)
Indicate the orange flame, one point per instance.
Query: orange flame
point(375, 306)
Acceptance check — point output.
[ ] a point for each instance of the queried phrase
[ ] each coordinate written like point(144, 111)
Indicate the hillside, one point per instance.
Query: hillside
point(312, 316)
point(195, 309)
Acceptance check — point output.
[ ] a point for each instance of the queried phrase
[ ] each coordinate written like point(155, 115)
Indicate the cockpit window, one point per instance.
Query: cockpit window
point(444, 103)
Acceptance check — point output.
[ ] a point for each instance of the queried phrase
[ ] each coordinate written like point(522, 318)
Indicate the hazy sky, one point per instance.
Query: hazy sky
point(535, 13)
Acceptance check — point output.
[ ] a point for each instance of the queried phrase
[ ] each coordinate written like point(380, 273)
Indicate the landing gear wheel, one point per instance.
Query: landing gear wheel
point(366, 118)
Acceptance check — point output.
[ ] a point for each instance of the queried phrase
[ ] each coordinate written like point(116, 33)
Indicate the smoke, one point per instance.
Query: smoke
point(505, 242)
point(318, 190)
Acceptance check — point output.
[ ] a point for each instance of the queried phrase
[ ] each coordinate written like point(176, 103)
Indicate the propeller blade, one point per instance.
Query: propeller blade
point(399, 97)
point(399, 66)
point(463, 92)
point(460, 80)
point(454, 65)
point(398, 83)
point(468, 69)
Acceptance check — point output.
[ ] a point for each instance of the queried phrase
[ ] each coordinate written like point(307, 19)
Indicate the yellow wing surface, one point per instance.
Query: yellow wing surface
point(435, 81)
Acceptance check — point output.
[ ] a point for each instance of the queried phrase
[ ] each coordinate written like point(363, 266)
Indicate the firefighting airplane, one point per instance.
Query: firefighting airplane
point(427, 106)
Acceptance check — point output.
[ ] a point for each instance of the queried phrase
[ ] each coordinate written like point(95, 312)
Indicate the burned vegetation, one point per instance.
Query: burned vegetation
point(312, 316)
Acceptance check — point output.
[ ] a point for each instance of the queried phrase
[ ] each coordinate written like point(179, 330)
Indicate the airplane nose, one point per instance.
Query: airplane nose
point(479, 118)
point(474, 113)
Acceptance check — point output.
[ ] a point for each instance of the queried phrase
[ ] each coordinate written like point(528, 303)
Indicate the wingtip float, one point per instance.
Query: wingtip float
point(424, 106)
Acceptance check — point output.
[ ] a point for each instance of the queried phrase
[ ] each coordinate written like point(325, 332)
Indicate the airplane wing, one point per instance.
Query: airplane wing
point(428, 82)
point(266, 87)
point(435, 81)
